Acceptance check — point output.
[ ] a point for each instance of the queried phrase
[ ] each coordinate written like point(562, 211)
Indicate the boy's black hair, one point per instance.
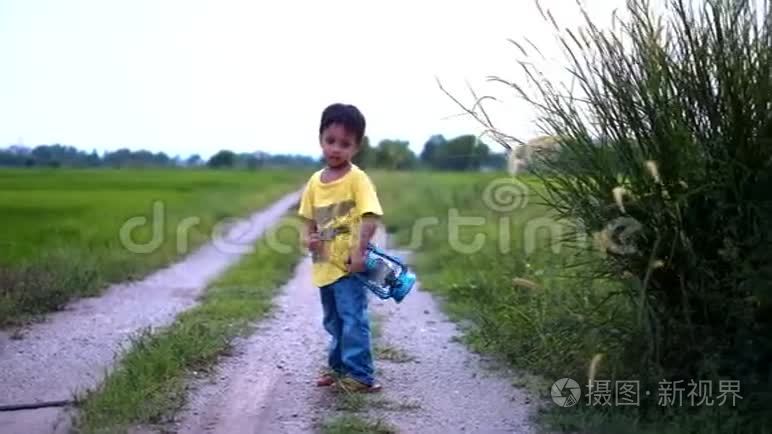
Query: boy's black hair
point(347, 115)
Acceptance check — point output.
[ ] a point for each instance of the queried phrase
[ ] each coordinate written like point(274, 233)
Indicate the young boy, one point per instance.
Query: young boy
point(341, 208)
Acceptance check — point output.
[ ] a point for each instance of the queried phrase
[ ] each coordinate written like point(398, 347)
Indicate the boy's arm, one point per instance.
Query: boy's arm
point(311, 236)
point(367, 230)
point(369, 207)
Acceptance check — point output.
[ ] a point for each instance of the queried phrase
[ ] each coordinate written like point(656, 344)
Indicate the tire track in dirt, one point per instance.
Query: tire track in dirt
point(434, 385)
point(72, 349)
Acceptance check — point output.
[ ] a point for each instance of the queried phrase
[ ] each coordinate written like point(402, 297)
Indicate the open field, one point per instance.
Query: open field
point(60, 230)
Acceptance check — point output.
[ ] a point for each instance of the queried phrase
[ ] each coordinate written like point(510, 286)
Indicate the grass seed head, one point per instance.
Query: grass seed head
point(651, 165)
point(619, 192)
point(519, 281)
point(594, 367)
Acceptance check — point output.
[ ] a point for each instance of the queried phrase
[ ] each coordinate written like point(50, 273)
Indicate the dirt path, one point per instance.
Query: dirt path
point(265, 385)
point(432, 383)
point(71, 350)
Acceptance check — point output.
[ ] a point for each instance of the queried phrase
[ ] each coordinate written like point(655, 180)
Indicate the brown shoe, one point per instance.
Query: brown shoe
point(325, 380)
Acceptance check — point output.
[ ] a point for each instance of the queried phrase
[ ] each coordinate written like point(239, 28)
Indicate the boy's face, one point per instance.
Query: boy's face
point(338, 145)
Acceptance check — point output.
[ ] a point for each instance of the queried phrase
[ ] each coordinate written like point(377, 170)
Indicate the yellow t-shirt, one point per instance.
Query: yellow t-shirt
point(337, 208)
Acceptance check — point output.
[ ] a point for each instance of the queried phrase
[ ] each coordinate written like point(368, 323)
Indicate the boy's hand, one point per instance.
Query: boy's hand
point(314, 242)
point(311, 239)
point(357, 262)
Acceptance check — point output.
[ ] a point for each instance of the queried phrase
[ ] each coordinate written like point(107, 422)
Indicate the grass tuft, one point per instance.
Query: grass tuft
point(353, 424)
point(392, 354)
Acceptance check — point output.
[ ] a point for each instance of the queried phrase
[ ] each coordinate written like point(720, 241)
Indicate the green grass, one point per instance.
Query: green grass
point(710, 420)
point(149, 383)
point(353, 424)
point(60, 230)
point(548, 330)
point(357, 403)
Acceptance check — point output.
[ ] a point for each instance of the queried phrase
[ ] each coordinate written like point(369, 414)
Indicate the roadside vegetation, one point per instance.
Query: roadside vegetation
point(661, 158)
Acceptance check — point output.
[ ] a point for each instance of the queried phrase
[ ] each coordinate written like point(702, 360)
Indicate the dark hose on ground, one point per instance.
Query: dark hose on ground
point(35, 405)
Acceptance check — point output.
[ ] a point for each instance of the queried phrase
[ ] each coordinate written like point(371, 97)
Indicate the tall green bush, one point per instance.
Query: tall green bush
point(665, 155)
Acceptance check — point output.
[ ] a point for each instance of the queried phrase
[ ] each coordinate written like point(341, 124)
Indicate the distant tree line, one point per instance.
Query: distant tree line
point(68, 156)
point(462, 153)
point(227, 159)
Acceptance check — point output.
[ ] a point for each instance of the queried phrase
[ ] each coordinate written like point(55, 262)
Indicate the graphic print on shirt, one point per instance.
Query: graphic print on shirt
point(333, 223)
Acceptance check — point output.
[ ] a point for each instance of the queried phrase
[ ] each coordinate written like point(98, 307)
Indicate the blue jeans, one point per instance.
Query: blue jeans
point(344, 303)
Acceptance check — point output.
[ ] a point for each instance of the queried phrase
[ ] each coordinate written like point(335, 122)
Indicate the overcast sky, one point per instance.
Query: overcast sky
point(189, 77)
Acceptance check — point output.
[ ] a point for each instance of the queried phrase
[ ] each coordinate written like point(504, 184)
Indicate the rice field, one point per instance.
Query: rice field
point(61, 230)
